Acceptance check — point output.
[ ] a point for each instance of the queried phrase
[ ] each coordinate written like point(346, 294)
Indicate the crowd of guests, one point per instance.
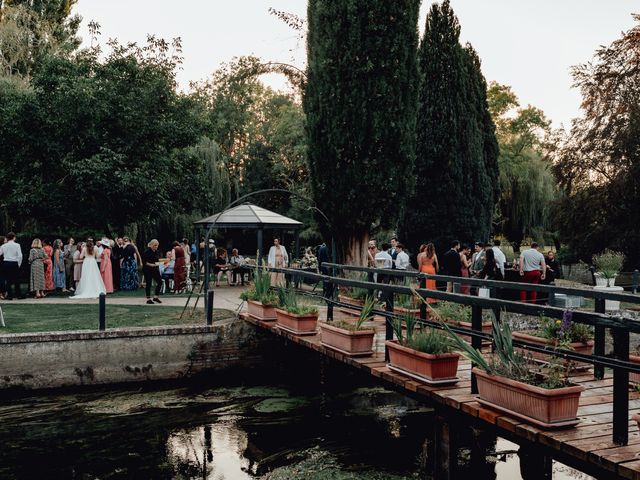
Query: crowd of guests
point(487, 261)
point(57, 266)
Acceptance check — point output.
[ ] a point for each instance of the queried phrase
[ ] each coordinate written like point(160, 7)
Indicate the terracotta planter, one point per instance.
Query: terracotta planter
point(431, 369)
point(578, 347)
point(636, 417)
point(357, 343)
point(298, 324)
point(540, 406)
point(487, 328)
point(350, 301)
point(413, 311)
point(634, 377)
point(259, 311)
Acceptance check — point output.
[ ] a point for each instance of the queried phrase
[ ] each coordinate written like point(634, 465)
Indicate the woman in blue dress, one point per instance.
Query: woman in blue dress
point(129, 267)
point(59, 277)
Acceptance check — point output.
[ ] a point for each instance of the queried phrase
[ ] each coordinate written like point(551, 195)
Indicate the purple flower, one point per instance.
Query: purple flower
point(567, 316)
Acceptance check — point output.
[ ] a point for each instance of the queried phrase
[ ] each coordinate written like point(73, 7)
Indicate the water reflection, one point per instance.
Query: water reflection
point(339, 428)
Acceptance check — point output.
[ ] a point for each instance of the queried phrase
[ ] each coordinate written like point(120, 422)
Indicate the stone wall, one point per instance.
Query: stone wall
point(48, 360)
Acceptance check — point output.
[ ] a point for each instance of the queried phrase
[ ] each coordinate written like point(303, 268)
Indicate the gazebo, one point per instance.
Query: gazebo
point(247, 216)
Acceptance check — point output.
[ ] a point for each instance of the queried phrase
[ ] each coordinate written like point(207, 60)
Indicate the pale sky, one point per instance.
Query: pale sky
point(528, 44)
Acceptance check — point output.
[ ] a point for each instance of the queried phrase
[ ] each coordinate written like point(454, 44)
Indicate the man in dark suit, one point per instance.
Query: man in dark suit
point(323, 257)
point(451, 263)
point(393, 251)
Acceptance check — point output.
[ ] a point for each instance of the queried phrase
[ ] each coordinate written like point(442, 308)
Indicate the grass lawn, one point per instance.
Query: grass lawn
point(30, 318)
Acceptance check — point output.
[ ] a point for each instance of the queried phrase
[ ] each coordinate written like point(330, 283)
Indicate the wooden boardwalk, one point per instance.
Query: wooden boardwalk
point(589, 442)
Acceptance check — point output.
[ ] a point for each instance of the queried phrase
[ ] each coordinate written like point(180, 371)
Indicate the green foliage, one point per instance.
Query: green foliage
point(457, 150)
point(507, 362)
point(451, 311)
point(357, 293)
point(564, 333)
point(598, 163)
point(289, 302)
point(366, 314)
point(261, 290)
point(609, 263)
point(527, 185)
point(428, 340)
point(360, 102)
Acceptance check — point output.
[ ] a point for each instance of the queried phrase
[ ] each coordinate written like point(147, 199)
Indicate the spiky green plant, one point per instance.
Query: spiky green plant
point(261, 290)
point(288, 301)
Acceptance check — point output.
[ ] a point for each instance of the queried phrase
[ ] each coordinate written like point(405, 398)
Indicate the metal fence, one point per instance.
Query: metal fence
point(619, 326)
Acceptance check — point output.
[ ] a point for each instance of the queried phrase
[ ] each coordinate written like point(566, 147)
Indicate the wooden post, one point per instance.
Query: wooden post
point(388, 328)
point(102, 312)
point(423, 306)
point(598, 340)
point(476, 342)
point(209, 307)
point(620, 388)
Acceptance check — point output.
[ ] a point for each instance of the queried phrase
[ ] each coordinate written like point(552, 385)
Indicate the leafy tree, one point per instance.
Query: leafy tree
point(456, 166)
point(360, 101)
point(598, 163)
point(100, 146)
point(33, 29)
point(528, 187)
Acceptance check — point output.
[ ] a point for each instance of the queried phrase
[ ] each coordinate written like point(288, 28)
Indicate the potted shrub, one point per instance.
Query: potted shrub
point(426, 355)
point(353, 339)
point(554, 333)
point(509, 383)
point(636, 417)
point(295, 317)
point(608, 264)
point(261, 300)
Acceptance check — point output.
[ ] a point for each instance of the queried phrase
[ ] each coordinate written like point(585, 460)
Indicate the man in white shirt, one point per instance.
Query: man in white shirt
point(402, 259)
point(532, 270)
point(500, 257)
point(12, 255)
point(383, 260)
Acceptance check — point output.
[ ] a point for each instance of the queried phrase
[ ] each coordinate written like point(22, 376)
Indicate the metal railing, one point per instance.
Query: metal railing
point(620, 326)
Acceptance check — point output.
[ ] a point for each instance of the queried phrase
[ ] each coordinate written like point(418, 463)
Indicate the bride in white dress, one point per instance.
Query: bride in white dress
point(91, 284)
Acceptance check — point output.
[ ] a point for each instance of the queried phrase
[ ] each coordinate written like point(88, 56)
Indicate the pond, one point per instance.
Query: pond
point(332, 426)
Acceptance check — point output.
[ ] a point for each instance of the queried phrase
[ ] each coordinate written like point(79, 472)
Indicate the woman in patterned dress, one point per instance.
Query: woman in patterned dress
point(129, 267)
point(48, 266)
point(36, 257)
point(59, 280)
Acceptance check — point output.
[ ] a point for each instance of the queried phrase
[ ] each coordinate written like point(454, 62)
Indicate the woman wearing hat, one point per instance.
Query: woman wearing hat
point(106, 271)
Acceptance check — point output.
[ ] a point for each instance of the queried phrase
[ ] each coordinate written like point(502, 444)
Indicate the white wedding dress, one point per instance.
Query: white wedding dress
point(91, 284)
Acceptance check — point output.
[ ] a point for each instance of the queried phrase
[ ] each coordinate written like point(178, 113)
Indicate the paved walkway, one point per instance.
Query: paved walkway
point(225, 297)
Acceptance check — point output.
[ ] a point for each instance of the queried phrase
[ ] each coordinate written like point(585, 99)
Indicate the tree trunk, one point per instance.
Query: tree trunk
point(353, 249)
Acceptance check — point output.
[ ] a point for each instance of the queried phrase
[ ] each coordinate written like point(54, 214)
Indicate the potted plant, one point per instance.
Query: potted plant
point(608, 264)
point(554, 333)
point(426, 355)
point(636, 417)
point(353, 339)
point(261, 300)
point(406, 303)
point(353, 296)
point(508, 382)
point(458, 315)
point(294, 317)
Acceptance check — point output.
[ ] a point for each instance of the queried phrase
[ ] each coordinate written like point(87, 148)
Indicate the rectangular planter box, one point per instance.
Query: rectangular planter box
point(298, 324)
point(634, 377)
point(540, 406)
point(487, 328)
point(431, 369)
point(350, 301)
point(265, 313)
point(413, 311)
point(578, 347)
point(352, 343)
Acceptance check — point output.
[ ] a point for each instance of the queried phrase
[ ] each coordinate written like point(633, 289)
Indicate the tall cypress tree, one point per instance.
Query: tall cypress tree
point(456, 154)
point(361, 101)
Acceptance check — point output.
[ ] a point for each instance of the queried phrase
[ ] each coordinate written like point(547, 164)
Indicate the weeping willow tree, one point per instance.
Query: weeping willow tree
point(527, 190)
point(527, 184)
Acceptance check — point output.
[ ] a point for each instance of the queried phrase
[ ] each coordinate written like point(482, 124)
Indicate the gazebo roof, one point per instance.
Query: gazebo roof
point(248, 215)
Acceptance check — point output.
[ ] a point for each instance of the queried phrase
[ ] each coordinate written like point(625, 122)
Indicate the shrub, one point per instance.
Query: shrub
point(609, 263)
